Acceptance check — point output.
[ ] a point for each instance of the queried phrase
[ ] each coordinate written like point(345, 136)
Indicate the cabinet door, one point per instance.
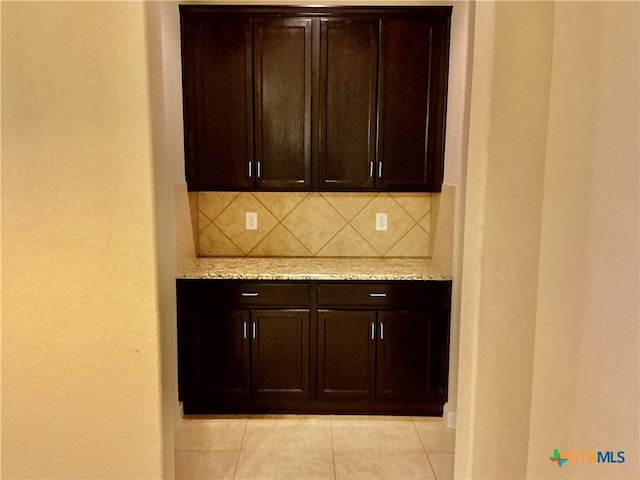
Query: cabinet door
point(406, 354)
point(346, 354)
point(347, 118)
point(218, 101)
point(217, 357)
point(282, 65)
point(280, 354)
point(412, 97)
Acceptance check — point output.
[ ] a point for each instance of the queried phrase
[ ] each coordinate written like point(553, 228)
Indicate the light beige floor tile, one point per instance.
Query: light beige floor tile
point(285, 466)
point(370, 465)
point(372, 418)
point(210, 434)
point(288, 435)
point(387, 436)
point(205, 465)
point(437, 437)
point(442, 464)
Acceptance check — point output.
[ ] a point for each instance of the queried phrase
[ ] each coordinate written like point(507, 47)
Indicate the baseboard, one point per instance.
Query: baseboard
point(178, 415)
point(448, 417)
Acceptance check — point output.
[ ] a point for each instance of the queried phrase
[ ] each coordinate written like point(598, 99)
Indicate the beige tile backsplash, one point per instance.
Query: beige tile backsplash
point(311, 224)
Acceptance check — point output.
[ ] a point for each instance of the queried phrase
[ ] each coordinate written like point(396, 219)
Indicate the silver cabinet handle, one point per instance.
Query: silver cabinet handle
point(370, 169)
point(373, 331)
point(379, 169)
point(249, 294)
point(250, 169)
point(253, 329)
point(381, 331)
point(259, 169)
point(244, 329)
point(377, 295)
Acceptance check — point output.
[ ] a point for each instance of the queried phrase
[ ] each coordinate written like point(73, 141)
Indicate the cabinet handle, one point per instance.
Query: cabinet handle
point(259, 169)
point(370, 169)
point(379, 169)
point(253, 329)
point(381, 331)
point(377, 295)
point(244, 329)
point(373, 331)
point(249, 294)
point(250, 169)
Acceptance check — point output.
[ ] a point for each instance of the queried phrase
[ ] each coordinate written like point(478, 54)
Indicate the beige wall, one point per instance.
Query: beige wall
point(172, 230)
point(509, 98)
point(81, 376)
point(549, 338)
point(585, 382)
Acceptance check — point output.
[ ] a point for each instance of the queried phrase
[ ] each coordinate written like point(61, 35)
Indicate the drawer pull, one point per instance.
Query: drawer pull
point(377, 295)
point(249, 294)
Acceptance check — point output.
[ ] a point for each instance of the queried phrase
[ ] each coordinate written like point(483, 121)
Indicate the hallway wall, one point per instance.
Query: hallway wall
point(81, 380)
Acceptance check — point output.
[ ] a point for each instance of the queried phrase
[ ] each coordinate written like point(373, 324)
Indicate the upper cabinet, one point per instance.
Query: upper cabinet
point(282, 103)
point(306, 98)
point(347, 103)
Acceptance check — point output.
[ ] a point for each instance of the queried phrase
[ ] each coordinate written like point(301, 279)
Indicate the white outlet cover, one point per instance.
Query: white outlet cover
point(251, 221)
point(381, 222)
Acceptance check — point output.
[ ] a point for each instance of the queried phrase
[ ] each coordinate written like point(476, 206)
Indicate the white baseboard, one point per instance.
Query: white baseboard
point(451, 420)
point(448, 417)
point(178, 415)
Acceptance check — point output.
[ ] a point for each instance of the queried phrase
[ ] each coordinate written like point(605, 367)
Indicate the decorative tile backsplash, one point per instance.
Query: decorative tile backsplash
point(312, 224)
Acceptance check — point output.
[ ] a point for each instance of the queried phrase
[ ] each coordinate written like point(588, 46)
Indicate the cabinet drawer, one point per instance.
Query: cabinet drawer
point(401, 294)
point(225, 293)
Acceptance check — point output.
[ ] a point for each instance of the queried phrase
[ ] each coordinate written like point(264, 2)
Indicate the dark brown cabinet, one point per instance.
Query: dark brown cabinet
point(217, 101)
point(280, 354)
point(217, 353)
point(313, 347)
point(346, 355)
point(412, 103)
point(395, 337)
point(407, 343)
point(239, 345)
point(347, 113)
point(305, 98)
point(282, 67)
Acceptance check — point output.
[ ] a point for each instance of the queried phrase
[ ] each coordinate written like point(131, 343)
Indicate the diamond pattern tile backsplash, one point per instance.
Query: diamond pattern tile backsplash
point(311, 224)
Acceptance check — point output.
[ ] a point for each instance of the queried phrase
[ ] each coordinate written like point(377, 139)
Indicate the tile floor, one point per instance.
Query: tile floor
point(314, 448)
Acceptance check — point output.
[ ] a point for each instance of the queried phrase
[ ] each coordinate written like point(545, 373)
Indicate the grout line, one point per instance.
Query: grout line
point(374, 196)
point(235, 197)
point(333, 454)
point(226, 236)
point(346, 222)
point(424, 449)
point(290, 233)
point(272, 212)
point(244, 434)
point(404, 235)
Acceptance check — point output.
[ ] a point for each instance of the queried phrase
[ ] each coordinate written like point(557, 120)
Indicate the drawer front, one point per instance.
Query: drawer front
point(401, 294)
point(226, 293)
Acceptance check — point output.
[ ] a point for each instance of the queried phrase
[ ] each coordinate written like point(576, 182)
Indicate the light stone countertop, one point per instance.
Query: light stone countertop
point(314, 268)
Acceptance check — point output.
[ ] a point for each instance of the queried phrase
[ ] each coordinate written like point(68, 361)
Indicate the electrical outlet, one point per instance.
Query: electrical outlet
point(381, 221)
point(251, 221)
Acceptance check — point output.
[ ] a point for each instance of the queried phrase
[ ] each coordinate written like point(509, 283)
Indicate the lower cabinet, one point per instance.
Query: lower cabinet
point(313, 347)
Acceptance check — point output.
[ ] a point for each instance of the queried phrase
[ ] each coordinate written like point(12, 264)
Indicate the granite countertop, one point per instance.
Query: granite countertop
point(325, 268)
